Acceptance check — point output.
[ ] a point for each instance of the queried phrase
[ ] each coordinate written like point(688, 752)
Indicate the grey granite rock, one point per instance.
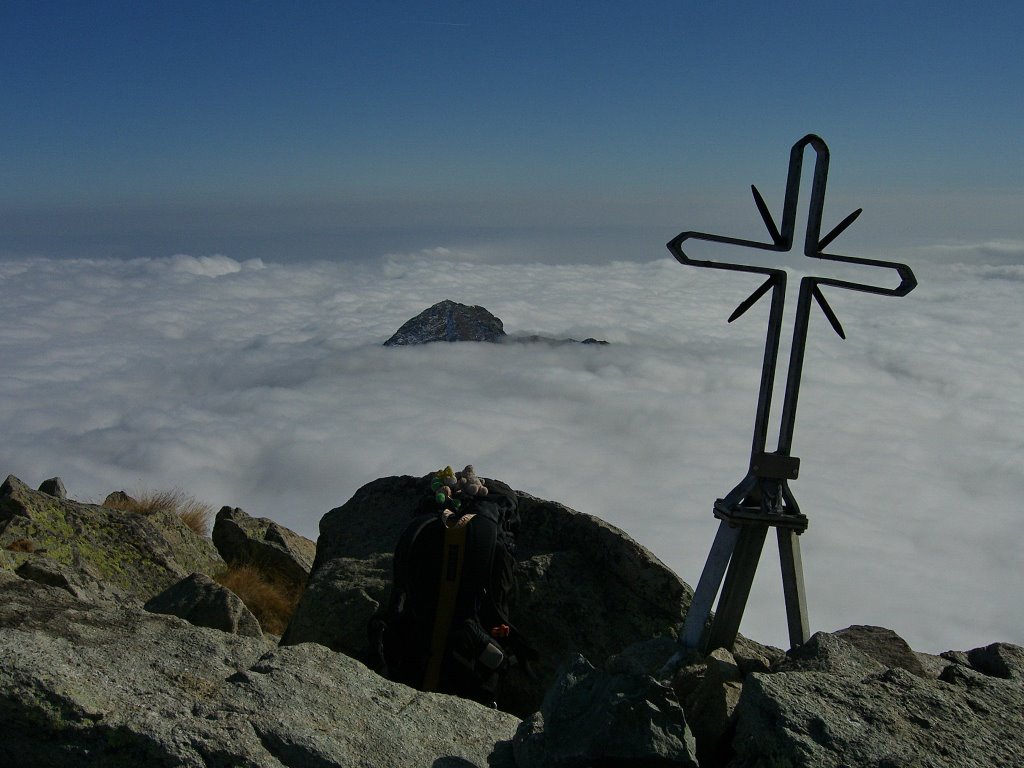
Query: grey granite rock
point(884, 646)
point(832, 708)
point(584, 586)
point(826, 652)
point(281, 554)
point(201, 601)
point(43, 570)
point(709, 692)
point(89, 685)
point(54, 487)
point(590, 717)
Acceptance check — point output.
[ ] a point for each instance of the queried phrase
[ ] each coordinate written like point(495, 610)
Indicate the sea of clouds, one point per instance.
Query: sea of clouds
point(265, 386)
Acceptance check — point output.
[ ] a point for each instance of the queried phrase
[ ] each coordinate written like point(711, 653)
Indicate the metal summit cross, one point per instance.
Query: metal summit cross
point(763, 500)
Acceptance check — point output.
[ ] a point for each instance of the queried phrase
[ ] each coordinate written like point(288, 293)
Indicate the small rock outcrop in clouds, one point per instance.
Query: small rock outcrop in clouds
point(450, 321)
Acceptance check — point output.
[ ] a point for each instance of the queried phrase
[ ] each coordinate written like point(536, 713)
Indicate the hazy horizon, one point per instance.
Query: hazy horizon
point(541, 132)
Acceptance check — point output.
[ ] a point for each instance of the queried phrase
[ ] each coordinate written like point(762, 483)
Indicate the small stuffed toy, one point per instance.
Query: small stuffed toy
point(470, 484)
point(444, 484)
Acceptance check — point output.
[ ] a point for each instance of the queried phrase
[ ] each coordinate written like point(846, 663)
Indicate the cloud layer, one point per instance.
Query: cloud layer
point(264, 386)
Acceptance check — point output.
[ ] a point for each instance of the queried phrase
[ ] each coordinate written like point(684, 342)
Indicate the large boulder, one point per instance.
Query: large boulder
point(1002, 660)
point(279, 553)
point(130, 554)
point(836, 706)
point(584, 586)
point(54, 486)
point(93, 685)
point(200, 600)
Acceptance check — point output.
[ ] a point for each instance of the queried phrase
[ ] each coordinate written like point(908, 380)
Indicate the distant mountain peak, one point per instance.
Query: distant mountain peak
point(448, 321)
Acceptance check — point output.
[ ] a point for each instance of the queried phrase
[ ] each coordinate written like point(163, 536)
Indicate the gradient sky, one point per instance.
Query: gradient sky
point(549, 130)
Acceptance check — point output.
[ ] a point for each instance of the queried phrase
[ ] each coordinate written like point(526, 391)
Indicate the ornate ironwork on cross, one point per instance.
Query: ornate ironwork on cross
point(763, 499)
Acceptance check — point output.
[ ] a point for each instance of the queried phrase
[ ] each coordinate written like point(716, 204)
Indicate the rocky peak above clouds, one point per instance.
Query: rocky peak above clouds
point(450, 321)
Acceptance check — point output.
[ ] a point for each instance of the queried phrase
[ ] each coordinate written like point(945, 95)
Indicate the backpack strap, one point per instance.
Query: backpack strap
point(453, 558)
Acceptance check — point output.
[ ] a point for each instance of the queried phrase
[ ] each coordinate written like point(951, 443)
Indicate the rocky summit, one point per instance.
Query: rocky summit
point(120, 645)
point(450, 321)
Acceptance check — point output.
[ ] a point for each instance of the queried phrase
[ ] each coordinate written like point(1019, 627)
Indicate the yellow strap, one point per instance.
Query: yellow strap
point(452, 557)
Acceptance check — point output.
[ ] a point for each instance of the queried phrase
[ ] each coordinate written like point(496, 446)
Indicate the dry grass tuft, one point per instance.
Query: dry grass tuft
point(195, 514)
point(272, 603)
point(21, 545)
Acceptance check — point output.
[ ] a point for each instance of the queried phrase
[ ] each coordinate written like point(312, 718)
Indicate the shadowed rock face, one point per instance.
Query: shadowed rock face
point(201, 601)
point(279, 552)
point(584, 586)
point(448, 321)
point(591, 717)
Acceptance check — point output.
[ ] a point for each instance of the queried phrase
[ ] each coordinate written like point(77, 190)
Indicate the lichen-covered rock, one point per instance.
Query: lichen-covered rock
point(94, 685)
point(46, 571)
point(135, 555)
point(590, 717)
point(201, 601)
point(584, 586)
point(281, 554)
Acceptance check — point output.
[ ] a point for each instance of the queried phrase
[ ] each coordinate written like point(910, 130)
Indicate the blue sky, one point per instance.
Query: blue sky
point(555, 130)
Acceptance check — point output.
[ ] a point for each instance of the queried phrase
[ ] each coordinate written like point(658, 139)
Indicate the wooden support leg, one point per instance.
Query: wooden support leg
point(707, 588)
point(793, 587)
point(737, 586)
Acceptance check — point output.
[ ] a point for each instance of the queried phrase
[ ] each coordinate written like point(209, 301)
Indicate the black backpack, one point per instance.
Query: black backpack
point(447, 626)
